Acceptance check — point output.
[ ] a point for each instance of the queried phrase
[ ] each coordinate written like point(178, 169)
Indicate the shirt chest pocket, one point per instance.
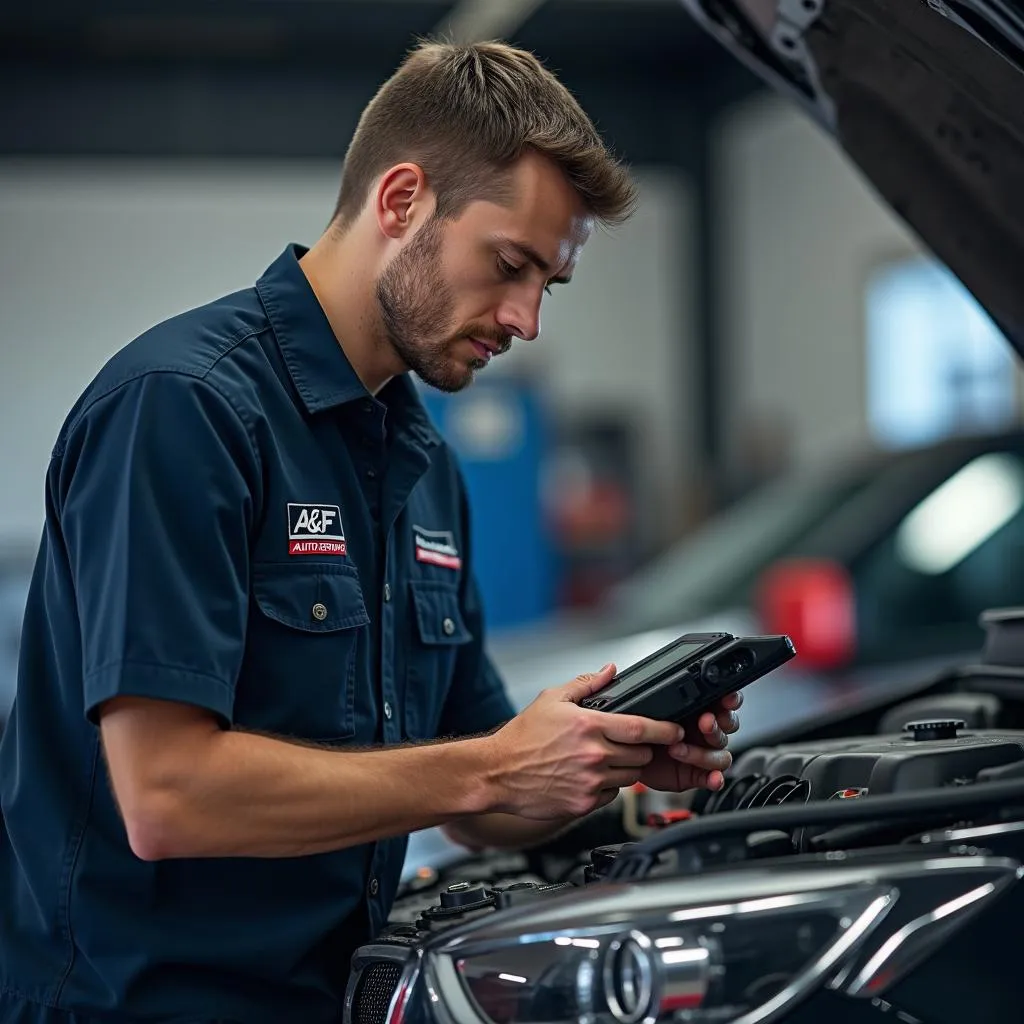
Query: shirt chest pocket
point(439, 632)
point(307, 635)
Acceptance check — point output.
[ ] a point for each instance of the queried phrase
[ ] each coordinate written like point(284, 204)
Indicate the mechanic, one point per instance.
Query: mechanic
point(253, 613)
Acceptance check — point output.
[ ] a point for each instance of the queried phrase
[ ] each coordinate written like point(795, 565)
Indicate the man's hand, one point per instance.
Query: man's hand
point(557, 760)
point(697, 762)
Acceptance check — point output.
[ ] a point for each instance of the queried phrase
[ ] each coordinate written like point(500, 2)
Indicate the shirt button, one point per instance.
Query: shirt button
point(372, 474)
point(387, 710)
point(448, 626)
point(319, 612)
point(367, 406)
point(387, 592)
point(374, 886)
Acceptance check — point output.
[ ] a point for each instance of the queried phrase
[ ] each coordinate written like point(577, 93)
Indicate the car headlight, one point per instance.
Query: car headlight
point(718, 963)
point(739, 948)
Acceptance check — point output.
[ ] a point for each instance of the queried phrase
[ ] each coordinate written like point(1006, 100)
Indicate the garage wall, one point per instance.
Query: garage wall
point(92, 253)
point(801, 232)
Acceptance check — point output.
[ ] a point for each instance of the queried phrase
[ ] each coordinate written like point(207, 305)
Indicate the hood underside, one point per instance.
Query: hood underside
point(927, 98)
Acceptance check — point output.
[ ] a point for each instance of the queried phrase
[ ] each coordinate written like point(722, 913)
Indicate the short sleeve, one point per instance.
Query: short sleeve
point(155, 501)
point(477, 701)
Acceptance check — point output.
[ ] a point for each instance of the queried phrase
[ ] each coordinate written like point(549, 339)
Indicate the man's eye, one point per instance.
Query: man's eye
point(511, 271)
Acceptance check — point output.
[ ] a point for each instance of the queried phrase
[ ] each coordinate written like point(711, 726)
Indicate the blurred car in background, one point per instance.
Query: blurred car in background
point(877, 561)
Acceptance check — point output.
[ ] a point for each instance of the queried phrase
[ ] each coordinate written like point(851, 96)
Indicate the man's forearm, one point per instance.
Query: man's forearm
point(503, 831)
point(255, 796)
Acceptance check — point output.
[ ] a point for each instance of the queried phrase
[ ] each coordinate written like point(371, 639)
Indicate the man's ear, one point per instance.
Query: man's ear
point(402, 200)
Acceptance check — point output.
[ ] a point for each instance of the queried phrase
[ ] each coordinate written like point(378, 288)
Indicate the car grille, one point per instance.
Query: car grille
point(376, 987)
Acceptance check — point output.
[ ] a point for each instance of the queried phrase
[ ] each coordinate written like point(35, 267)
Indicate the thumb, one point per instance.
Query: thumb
point(586, 684)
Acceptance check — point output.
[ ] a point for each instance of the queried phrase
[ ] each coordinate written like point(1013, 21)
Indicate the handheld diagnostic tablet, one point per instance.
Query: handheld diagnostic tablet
point(690, 674)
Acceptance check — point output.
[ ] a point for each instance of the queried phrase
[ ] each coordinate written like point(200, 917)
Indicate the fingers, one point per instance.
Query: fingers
point(728, 721)
point(713, 780)
point(732, 701)
point(622, 778)
point(586, 684)
point(704, 759)
point(627, 755)
point(715, 726)
point(632, 729)
point(728, 706)
point(711, 733)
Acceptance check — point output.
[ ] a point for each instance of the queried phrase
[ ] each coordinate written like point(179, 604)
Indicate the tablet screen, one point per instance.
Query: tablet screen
point(668, 658)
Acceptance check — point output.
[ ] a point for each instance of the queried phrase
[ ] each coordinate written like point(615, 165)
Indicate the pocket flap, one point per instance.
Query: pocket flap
point(317, 600)
point(438, 614)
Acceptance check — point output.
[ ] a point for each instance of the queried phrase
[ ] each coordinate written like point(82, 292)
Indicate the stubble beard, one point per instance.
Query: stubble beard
point(416, 311)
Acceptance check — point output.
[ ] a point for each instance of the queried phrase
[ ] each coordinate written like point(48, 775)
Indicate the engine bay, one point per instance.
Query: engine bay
point(940, 770)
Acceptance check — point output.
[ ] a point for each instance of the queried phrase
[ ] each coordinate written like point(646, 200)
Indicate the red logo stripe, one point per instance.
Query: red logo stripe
point(316, 547)
point(436, 558)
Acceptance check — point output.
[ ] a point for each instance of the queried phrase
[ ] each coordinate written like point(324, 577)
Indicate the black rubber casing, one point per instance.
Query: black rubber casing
point(670, 690)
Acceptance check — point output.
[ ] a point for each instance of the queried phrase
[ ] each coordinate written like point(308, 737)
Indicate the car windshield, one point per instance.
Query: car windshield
point(716, 566)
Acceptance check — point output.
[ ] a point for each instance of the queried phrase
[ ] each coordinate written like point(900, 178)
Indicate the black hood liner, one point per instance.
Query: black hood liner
point(928, 101)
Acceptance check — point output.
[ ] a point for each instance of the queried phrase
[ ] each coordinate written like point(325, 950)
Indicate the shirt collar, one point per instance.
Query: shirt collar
point(406, 407)
point(319, 368)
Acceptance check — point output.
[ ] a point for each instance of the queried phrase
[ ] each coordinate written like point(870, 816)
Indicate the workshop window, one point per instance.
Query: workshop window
point(937, 364)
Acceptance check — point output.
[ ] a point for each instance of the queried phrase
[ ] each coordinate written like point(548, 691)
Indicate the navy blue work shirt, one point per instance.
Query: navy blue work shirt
point(234, 522)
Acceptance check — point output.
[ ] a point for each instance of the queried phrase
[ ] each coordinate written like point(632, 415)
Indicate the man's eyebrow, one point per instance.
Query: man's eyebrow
point(530, 254)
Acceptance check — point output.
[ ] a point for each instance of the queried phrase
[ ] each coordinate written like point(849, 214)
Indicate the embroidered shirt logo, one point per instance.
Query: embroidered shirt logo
point(315, 530)
point(436, 547)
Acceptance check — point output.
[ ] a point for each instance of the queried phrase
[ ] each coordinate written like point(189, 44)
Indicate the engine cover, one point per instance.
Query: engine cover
point(926, 755)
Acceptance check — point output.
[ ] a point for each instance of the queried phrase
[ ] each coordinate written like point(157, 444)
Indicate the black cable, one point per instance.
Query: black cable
point(956, 803)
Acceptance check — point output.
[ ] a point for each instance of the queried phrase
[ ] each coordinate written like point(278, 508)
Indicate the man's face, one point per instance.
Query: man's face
point(461, 290)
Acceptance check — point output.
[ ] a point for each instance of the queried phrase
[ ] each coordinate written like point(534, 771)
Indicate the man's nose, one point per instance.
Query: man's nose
point(521, 316)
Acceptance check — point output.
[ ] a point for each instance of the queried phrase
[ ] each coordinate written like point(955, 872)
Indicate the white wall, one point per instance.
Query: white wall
point(92, 253)
point(801, 233)
point(621, 338)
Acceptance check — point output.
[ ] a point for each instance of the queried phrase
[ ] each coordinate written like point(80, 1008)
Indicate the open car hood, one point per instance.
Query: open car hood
point(927, 98)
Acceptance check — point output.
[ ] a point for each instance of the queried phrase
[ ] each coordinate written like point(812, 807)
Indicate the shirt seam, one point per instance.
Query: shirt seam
point(71, 862)
point(29, 997)
point(162, 666)
point(202, 376)
point(232, 342)
point(203, 379)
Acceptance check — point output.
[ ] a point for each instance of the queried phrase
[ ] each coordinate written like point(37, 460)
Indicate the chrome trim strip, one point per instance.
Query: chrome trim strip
point(803, 983)
point(915, 940)
point(398, 1006)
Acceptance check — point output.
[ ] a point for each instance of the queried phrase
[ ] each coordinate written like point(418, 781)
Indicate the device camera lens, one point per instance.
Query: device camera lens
point(741, 661)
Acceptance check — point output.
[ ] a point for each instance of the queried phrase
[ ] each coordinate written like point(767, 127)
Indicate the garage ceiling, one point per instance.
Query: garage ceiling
point(594, 37)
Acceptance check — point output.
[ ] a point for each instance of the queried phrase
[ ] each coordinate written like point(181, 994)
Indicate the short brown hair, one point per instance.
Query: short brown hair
point(467, 113)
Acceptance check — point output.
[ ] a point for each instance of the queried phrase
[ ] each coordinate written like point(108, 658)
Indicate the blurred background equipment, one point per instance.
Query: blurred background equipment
point(594, 504)
point(500, 431)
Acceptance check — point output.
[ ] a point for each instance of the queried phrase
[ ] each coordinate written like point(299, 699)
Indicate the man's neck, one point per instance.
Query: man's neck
point(344, 286)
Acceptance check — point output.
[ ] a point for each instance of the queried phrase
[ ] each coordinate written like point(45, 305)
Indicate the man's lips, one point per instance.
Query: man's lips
point(485, 349)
